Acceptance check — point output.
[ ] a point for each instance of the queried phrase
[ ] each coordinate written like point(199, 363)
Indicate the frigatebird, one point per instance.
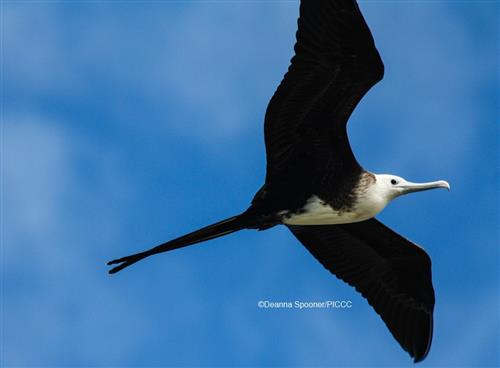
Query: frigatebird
point(315, 186)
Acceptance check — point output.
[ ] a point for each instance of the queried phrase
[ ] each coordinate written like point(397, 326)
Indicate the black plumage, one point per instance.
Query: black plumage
point(391, 272)
point(308, 154)
point(307, 148)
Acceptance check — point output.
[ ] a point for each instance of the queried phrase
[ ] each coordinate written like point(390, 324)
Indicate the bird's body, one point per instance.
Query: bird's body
point(315, 186)
point(363, 203)
point(318, 212)
point(370, 195)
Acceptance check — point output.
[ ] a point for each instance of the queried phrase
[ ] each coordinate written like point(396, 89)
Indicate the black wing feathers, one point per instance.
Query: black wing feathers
point(335, 64)
point(391, 272)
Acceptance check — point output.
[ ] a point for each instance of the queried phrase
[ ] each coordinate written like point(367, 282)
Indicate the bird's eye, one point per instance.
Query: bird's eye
point(394, 181)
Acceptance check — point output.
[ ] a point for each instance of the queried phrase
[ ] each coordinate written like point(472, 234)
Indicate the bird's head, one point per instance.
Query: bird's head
point(393, 186)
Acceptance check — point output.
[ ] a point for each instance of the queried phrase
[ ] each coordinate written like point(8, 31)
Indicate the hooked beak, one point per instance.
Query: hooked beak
point(409, 187)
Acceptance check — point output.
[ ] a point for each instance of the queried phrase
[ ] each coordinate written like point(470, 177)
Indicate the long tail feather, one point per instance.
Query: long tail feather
point(216, 230)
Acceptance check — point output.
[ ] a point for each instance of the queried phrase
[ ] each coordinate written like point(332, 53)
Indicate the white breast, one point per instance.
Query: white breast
point(317, 212)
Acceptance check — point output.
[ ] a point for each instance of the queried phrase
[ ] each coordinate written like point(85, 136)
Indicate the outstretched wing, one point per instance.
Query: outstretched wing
point(335, 64)
point(391, 272)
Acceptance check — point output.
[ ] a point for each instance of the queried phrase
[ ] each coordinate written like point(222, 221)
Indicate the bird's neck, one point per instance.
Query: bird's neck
point(371, 196)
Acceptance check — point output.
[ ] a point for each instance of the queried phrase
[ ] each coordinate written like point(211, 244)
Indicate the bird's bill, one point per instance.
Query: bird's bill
point(410, 187)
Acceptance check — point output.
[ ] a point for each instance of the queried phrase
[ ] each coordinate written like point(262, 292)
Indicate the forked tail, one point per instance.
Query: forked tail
point(220, 228)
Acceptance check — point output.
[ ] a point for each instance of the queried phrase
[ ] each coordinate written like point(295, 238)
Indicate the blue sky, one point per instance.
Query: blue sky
point(128, 123)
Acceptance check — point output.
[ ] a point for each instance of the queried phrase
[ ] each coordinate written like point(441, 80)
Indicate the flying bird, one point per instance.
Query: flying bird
point(315, 186)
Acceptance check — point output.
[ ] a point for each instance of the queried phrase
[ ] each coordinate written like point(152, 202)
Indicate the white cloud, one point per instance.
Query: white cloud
point(173, 56)
point(51, 282)
point(427, 105)
point(67, 197)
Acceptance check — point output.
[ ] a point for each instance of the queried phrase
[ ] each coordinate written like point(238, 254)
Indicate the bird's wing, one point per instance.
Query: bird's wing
point(391, 272)
point(334, 65)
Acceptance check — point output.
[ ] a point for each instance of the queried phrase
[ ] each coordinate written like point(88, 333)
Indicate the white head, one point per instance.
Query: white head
point(391, 186)
point(379, 192)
